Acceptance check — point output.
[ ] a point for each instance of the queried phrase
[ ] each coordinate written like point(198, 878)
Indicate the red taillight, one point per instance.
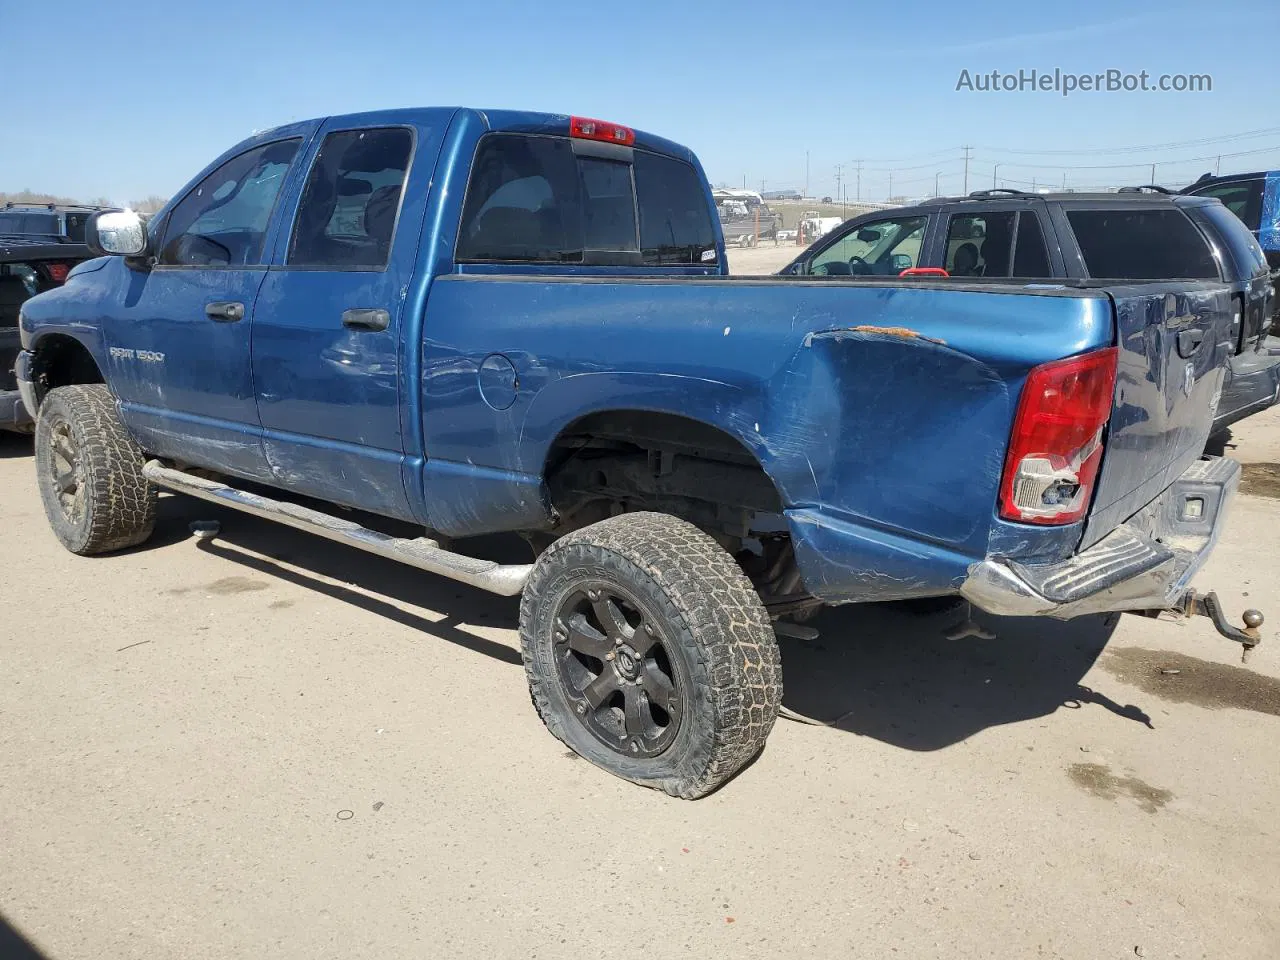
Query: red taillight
point(58, 271)
point(1056, 446)
point(588, 129)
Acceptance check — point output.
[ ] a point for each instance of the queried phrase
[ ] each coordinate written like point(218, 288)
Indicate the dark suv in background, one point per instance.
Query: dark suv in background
point(1078, 237)
point(46, 219)
point(29, 265)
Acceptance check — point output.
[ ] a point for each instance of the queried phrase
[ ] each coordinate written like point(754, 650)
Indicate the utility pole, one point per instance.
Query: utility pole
point(858, 189)
point(839, 173)
point(890, 196)
point(806, 173)
point(1153, 173)
point(935, 182)
point(1033, 183)
point(994, 171)
point(1064, 181)
point(1217, 167)
point(744, 181)
point(968, 152)
point(763, 181)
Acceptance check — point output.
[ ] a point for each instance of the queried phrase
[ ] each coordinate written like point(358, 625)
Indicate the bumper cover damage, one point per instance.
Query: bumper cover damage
point(1143, 566)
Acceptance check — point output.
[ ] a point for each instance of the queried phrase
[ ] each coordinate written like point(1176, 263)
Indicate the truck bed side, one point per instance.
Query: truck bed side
point(883, 407)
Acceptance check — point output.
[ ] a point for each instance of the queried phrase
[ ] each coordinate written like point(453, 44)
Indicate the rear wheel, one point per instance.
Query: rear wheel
point(89, 472)
point(649, 653)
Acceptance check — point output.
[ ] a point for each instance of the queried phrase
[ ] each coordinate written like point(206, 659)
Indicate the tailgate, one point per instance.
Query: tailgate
point(1174, 341)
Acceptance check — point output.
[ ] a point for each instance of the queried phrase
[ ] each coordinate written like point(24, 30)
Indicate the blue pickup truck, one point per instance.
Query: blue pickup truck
point(482, 321)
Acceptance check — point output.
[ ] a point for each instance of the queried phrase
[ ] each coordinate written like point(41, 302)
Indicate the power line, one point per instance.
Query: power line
point(1147, 163)
point(1107, 151)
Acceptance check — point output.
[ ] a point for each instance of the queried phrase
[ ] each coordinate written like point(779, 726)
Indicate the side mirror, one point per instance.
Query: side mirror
point(117, 233)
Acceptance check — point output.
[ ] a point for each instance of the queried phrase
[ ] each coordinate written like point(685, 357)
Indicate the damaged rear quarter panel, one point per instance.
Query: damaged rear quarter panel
point(898, 427)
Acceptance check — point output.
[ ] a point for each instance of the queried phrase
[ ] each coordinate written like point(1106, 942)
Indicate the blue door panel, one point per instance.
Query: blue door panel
point(329, 396)
point(185, 380)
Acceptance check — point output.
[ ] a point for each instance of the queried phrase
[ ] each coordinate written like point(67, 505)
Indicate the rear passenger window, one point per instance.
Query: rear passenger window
point(531, 199)
point(347, 216)
point(1031, 256)
point(978, 245)
point(1142, 245)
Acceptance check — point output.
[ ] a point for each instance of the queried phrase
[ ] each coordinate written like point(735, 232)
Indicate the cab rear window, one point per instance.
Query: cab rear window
point(531, 199)
point(1142, 245)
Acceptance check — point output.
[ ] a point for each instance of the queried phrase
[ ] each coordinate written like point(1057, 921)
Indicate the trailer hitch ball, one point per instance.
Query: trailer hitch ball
point(1208, 605)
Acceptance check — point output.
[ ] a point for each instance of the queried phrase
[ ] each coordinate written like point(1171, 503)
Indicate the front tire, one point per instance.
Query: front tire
point(89, 471)
point(649, 653)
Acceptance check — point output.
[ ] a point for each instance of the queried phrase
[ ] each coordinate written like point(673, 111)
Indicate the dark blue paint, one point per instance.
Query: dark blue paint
point(1159, 426)
point(886, 447)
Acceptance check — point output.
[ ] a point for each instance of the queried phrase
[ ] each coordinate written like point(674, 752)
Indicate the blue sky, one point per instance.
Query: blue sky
point(126, 100)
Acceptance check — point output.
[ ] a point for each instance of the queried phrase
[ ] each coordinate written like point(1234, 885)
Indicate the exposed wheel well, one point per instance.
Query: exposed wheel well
point(618, 462)
point(61, 361)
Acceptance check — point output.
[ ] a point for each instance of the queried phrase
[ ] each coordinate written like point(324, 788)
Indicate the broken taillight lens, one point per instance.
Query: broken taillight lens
point(1056, 446)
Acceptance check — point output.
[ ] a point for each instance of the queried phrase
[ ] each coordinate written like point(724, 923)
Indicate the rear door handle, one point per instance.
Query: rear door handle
point(1189, 342)
point(224, 311)
point(366, 318)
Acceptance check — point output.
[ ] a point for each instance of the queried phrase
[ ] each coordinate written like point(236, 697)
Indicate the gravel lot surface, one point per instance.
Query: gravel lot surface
point(273, 746)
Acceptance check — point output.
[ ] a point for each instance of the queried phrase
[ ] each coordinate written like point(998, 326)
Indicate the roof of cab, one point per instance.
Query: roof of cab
point(521, 121)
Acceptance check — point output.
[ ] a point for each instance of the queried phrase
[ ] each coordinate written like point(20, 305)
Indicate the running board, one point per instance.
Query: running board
point(422, 552)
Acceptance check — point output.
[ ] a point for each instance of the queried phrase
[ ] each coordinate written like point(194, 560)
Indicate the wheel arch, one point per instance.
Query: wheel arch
point(659, 426)
point(61, 360)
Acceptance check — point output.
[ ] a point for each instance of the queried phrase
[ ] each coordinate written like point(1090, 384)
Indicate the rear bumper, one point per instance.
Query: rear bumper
point(1144, 564)
point(1251, 386)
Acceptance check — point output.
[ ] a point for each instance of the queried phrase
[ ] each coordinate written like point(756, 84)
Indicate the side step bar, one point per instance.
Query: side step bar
point(422, 552)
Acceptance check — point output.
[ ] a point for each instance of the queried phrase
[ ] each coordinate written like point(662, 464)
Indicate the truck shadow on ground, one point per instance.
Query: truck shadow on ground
point(14, 946)
point(14, 445)
point(369, 582)
point(874, 671)
point(881, 673)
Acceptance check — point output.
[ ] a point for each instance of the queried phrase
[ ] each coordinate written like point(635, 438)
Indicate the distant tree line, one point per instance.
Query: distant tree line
point(148, 205)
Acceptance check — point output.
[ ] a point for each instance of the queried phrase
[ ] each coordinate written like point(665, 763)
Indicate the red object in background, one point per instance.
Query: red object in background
point(58, 271)
point(924, 272)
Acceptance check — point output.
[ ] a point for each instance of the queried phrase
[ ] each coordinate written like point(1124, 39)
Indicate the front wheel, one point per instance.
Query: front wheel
point(89, 471)
point(649, 653)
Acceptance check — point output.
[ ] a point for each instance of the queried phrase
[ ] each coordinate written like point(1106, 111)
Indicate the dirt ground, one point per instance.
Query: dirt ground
point(273, 746)
point(768, 257)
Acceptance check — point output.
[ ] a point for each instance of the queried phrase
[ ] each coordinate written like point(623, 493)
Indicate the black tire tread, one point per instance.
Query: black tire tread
point(739, 669)
point(120, 503)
